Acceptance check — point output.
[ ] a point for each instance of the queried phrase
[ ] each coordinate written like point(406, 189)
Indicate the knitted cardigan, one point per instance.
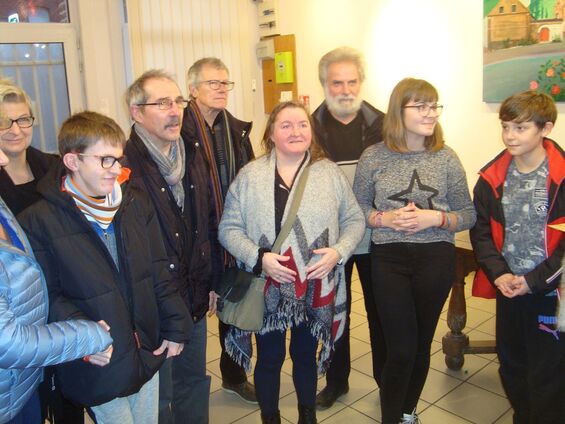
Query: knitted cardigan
point(328, 216)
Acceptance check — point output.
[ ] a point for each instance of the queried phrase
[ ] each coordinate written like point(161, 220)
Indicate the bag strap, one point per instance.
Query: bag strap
point(291, 217)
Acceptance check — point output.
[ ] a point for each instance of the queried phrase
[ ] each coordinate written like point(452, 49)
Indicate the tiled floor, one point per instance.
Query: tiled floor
point(472, 395)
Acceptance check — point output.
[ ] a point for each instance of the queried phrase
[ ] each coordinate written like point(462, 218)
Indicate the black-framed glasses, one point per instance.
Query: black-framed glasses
point(107, 162)
point(166, 104)
point(216, 84)
point(23, 122)
point(424, 109)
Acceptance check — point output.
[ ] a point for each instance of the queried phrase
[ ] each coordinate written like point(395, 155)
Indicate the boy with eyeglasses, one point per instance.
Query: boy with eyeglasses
point(518, 196)
point(99, 244)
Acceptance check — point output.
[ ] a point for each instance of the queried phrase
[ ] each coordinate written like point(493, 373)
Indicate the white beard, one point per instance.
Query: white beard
point(343, 109)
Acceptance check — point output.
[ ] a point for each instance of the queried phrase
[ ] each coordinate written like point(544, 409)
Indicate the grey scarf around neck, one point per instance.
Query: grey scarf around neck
point(172, 167)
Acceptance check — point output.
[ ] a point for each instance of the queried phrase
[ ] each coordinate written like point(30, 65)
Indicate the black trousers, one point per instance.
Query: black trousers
point(232, 373)
point(532, 358)
point(54, 407)
point(271, 352)
point(337, 375)
point(411, 282)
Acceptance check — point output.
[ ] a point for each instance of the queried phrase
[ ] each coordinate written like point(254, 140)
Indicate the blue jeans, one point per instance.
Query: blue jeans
point(271, 352)
point(138, 408)
point(30, 413)
point(185, 385)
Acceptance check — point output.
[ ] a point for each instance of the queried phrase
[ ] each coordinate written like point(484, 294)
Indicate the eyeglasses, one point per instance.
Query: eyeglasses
point(166, 104)
point(424, 109)
point(23, 122)
point(216, 84)
point(107, 162)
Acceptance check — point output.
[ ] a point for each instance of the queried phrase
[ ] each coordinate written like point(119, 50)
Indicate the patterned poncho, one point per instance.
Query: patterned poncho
point(328, 216)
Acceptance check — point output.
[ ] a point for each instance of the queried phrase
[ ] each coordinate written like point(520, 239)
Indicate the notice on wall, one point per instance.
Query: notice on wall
point(284, 69)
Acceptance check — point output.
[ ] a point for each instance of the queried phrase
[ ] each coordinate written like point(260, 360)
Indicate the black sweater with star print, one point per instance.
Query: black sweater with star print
point(387, 180)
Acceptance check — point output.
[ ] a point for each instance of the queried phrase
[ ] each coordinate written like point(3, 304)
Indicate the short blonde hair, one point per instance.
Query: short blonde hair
point(394, 131)
point(11, 93)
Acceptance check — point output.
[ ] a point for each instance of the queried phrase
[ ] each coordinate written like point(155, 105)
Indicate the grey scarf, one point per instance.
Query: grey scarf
point(172, 167)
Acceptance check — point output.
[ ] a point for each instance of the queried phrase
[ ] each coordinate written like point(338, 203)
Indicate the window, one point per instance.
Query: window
point(43, 59)
point(34, 11)
point(501, 9)
point(39, 68)
point(513, 8)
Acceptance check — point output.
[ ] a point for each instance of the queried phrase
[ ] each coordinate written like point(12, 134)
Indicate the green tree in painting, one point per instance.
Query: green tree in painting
point(542, 9)
point(488, 6)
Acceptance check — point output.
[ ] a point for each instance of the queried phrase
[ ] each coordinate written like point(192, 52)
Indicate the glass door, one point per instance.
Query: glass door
point(43, 59)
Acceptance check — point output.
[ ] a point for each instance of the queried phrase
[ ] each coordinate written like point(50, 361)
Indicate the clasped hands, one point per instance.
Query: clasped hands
point(273, 265)
point(101, 359)
point(409, 219)
point(511, 285)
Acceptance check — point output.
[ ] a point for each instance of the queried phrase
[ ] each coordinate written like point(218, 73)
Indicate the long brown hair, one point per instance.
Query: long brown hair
point(394, 131)
point(316, 151)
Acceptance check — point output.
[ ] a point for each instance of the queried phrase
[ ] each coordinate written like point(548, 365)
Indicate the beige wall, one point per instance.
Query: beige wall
point(438, 40)
point(173, 34)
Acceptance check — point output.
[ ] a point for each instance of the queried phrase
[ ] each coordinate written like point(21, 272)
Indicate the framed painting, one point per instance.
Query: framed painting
point(523, 48)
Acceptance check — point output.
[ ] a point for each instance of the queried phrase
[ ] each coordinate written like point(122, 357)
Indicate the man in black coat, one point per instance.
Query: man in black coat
point(175, 175)
point(224, 140)
point(345, 125)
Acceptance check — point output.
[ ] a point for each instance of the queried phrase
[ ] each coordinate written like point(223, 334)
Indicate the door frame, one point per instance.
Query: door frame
point(52, 33)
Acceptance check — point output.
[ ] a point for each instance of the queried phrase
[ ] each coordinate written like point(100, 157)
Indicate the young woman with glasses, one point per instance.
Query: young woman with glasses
point(413, 192)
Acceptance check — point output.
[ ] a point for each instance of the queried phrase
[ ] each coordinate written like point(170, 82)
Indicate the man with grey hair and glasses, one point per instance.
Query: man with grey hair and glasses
point(345, 125)
point(175, 176)
point(227, 148)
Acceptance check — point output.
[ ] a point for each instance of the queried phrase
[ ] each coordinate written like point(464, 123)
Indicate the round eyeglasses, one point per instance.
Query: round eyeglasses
point(107, 162)
point(216, 84)
point(167, 104)
point(23, 122)
point(424, 109)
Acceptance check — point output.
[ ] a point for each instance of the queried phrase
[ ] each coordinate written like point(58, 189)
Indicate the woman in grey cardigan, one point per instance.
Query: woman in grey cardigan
point(414, 194)
point(305, 289)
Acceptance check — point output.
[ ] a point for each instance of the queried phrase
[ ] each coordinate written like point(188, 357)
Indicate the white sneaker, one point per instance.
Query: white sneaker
point(410, 418)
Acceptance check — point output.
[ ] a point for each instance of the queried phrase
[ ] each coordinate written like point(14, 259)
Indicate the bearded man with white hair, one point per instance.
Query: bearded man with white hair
point(345, 125)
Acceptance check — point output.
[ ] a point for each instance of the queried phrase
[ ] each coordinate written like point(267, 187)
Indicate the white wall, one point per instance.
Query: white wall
point(173, 34)
point(101, 25)
point(438, 40)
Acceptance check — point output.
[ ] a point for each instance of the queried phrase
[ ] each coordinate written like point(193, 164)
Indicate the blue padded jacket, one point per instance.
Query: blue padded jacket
point(27, 342)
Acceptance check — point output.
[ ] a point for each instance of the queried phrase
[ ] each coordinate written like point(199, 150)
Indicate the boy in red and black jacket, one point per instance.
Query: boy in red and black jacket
point(518, 196)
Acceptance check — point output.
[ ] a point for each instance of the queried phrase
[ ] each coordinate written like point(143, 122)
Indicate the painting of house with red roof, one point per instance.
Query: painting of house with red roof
point(523, 48)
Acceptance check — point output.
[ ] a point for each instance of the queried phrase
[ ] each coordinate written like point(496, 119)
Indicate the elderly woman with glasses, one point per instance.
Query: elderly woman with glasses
point(414, 194)
point(18, 179)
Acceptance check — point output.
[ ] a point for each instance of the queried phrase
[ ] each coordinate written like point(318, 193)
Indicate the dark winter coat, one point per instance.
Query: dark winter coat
point(137, 300)
point(190, 236)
